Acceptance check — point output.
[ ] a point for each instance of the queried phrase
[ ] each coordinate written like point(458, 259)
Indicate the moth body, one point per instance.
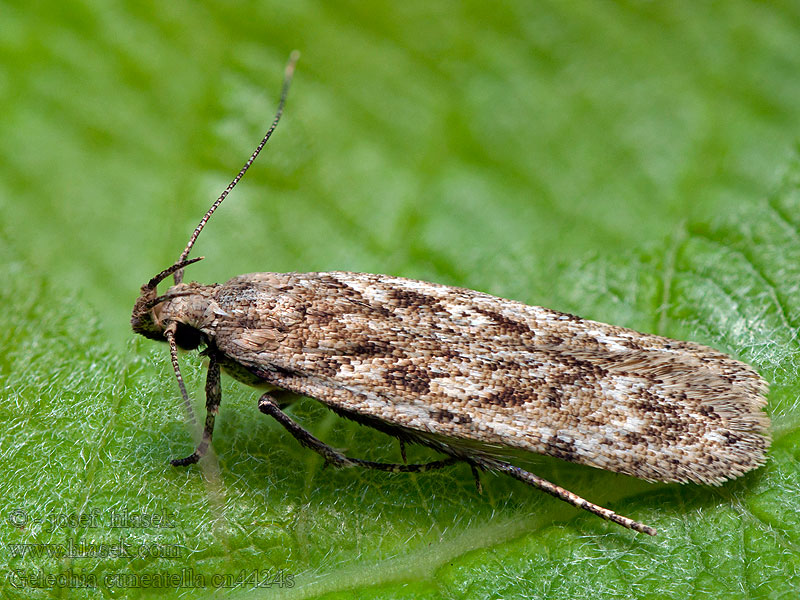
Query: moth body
point(471, 375)
point(458, 366)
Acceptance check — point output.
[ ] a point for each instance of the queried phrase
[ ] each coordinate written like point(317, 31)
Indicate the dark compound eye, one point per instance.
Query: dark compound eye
point(187, 337)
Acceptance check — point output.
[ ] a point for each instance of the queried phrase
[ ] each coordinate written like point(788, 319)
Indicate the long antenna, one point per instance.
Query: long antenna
point(287, 80)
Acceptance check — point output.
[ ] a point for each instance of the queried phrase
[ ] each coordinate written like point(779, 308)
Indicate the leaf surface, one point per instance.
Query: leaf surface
point(630, 163)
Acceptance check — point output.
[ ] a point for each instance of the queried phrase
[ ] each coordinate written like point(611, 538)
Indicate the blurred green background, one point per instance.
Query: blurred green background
point(633, 162)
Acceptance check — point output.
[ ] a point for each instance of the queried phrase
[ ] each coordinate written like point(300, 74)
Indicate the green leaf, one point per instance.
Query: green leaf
point(633, 163)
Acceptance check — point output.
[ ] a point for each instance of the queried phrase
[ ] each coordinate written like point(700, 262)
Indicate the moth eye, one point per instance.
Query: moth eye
point(187, 337)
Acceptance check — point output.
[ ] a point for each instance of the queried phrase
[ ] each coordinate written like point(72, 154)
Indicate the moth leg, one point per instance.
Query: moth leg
point(478, 485)
point(169, 333)
point(403, 450)
point(561, 493)
point(213, 398)
point(268, 406)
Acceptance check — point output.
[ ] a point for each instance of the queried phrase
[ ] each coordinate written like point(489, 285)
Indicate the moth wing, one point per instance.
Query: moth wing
point(445, 363)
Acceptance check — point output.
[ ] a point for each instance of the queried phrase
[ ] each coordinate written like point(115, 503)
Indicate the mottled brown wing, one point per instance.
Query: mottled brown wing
point(461, 364)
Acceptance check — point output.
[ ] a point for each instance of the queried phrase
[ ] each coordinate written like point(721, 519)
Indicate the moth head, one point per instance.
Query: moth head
point(144, 320)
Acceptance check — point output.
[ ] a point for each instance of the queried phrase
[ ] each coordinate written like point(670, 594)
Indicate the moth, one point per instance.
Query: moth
point(470, 375)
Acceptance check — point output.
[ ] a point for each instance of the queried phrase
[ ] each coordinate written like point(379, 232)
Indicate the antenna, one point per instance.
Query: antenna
point(287, 80)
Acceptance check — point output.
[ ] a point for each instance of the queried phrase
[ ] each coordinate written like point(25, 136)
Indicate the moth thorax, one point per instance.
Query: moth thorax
point(191, 306)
